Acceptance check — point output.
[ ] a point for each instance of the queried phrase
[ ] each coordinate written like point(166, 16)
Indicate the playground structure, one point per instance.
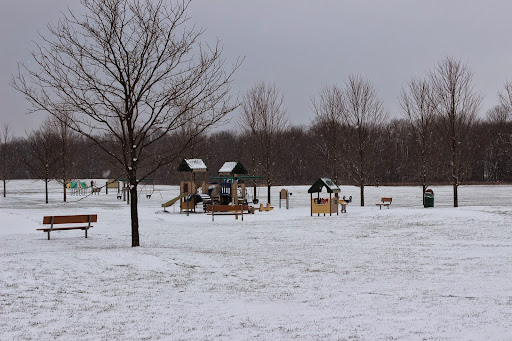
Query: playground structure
point(112, 184)
point(225, 195)
point(192, 180)
point(123, 188)
point(325, 205)
point(77, 187)
point(229, 195)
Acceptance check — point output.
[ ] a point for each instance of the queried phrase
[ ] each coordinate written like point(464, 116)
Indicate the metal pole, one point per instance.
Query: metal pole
point(311, 204)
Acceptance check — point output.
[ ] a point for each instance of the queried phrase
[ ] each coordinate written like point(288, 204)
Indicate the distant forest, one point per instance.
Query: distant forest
point(300, 155)
point(440, 137)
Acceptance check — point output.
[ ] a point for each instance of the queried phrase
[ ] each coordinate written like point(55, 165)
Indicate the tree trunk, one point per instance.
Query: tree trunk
point(268, 193)
point(423, 193)
point(455, 172)
point(4, 187)
point(134, 216)
point(455, 195)
point(362, 194)
point(46, 189)
point(64, 184)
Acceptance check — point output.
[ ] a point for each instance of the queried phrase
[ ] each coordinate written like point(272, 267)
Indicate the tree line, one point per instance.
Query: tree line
point(352, 147)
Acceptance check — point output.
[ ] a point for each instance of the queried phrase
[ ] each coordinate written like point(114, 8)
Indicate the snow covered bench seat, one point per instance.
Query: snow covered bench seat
point(384, 202)
point(68, 220)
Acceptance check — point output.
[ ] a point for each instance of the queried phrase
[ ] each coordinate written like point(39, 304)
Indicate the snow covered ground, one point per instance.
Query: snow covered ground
point(404, 273)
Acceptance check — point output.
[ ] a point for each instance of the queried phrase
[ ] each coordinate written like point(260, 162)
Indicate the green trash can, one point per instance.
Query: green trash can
point(428, 198)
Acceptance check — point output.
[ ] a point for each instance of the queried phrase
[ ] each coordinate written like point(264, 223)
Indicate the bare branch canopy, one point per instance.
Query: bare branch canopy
point(129, 73)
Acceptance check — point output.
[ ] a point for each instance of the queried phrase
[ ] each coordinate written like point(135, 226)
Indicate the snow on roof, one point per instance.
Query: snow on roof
point(233, 168)
point(190, 165)
point(227, 167)
point(196, 163)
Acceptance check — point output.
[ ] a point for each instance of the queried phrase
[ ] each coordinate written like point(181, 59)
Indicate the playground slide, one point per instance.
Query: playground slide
point(172, 201)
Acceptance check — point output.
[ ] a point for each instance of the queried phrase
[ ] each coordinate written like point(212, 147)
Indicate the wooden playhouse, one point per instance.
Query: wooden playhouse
point(324, 205)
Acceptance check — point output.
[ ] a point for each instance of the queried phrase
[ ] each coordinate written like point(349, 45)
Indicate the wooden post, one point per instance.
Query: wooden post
point(51, 227)
point(283, 194)
point(234, 191)
point(318, 199)
point(89, 225)
point(213, 208)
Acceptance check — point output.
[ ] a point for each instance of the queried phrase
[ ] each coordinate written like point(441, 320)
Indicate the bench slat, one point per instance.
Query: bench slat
point(70, 219)
point(65, 228)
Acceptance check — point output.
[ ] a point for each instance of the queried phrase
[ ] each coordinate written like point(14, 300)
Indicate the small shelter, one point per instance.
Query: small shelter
point(324, 205)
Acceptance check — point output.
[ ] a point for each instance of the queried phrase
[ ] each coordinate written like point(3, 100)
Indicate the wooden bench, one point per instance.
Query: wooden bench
point(68, 219)
point(384, 202)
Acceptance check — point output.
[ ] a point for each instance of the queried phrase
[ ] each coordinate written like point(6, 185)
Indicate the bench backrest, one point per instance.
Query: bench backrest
point(70, 219)
point(385, 200)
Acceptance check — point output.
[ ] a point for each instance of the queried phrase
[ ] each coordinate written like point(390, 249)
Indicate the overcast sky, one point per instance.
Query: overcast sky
point(302, 46)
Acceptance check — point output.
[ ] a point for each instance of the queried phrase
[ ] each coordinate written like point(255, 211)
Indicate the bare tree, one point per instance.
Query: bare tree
point(65, 149)
point(497, 156)
point(506, 97)
point(5, 153)
point(456, 104)
point(129, 73)
point(43, 156)
point(364, 114)
point(329, 109)
point(265, 118)
point(419, 110)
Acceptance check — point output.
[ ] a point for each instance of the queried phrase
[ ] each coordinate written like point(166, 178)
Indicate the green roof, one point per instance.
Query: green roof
point(324, 182)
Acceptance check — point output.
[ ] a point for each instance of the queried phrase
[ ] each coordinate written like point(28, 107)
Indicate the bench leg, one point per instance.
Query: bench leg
point(86, 233)
point(48, 235)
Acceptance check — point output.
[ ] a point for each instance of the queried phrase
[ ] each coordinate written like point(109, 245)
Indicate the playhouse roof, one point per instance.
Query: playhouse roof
point(324, 182)
point(233, 168)
point(192, 165)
